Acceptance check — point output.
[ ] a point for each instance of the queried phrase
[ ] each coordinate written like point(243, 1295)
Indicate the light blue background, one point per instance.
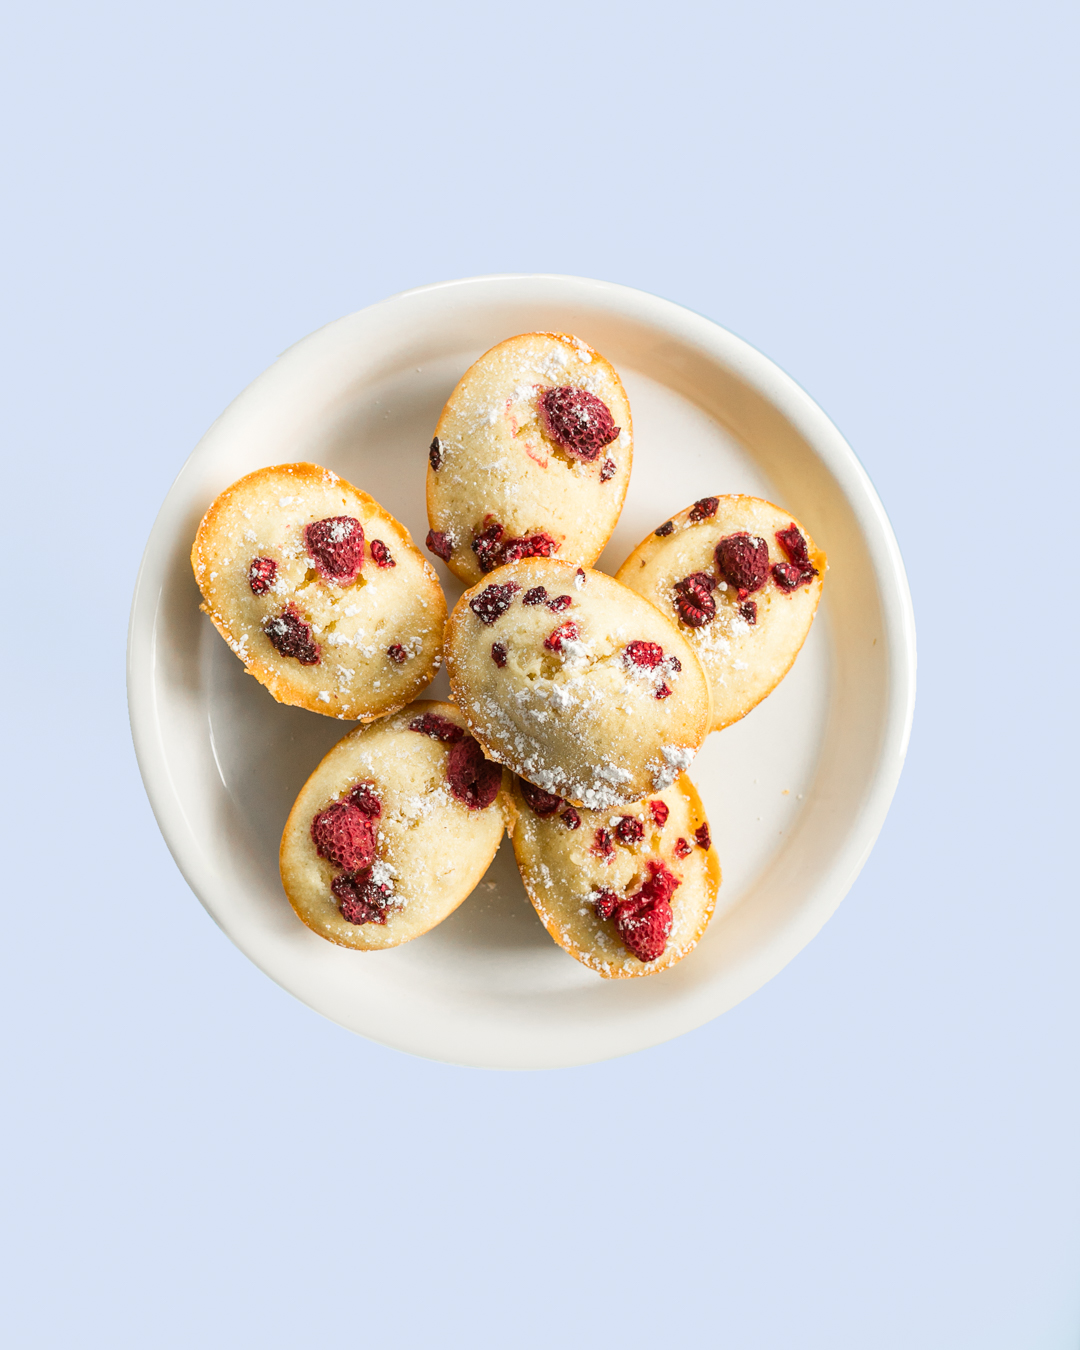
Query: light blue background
point(877, 1150)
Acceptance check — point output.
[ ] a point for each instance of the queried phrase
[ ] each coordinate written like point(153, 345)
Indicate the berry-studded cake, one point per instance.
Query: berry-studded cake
point(394, 829)
point(575, 683)
point(531, 457)
point(742, 581)
point(627, 892)
point(320, 592)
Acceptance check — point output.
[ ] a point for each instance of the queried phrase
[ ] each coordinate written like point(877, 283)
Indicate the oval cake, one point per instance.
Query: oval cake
point(320, 592)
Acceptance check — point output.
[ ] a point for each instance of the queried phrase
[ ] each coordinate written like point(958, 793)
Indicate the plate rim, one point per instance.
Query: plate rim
point(788, 397)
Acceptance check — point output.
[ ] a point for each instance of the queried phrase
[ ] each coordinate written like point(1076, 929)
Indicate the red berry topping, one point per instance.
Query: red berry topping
point(605, 903)
point(748, 611)
point(693, 599)
point(682, 848)
point(382, 555)
point(440, 728)
point(800, 571)
point(604, 845)
point(486, 546)
point(577, 421)
point(498, 653)
point(662, 531)
point(360, 899)
point(537, 596)
point(473, 779)
point(291, 636)
point(345, 836)
point(261, 575)
point(702, 837)
point(663, 692)
point(365, 800)
point(560, 603)
point(493, 601)
point(442, 545)
point(644, 919)
point(607, 470)
point(630, 830)
point(566, 632)
point(397, 654)
point(793, 543)
point(571, 819)
point(647, 654)
point(434, 455)
point(529, 546)
point(789, 577)
point(493, 551)
point(704, 509)
point(660, 812)
point(336, 546)
point(743, 561)
point(541, 803)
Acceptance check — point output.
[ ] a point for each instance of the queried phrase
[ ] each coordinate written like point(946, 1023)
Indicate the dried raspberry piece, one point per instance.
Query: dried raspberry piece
point(748, 611)
point(662, 531)
point(630, 830)
point(682, 848)
point(566, 632)
point(790, 576)
point(360, 899)
point(674, 664)
point(702, 837)
point(793, 543)
point(644, 919)
point(498, 653)
point(486, 546)
point(580, 578)
point(261, 575)
point(560, 603)
point(704, 509)
point(365, 800)
point(603, 845)
point(663, 692)
point(397, 654)
point(743, 561)
point(571, 819)
point(527, 546)
point(290, 634)
point(638, 653)
point(344, 836)
point(434, 454)
point(442, 545)
point(693, 599)
point(577, 421)
point(440, 728)
point(537, 596)
point(607, 470)
point(800, 571)
point(605, 903)
point(336, 546)
point(541, 803)
point(493, 601)
point(382, 555)
point(660, 812)
point(473, 779)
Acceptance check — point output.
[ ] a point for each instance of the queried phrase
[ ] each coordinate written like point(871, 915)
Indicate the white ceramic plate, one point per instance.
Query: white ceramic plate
point(796, 793)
